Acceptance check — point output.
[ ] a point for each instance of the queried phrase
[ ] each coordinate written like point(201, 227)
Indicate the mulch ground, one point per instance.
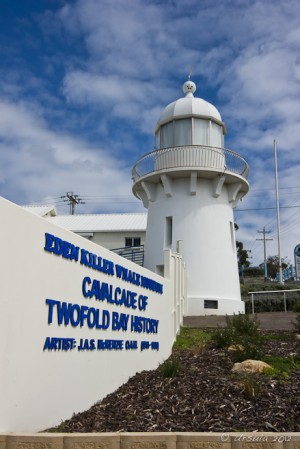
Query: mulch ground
point(204, 396)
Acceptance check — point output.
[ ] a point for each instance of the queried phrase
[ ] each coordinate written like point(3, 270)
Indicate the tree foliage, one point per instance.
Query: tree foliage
point(242, 254)
point(273, 266)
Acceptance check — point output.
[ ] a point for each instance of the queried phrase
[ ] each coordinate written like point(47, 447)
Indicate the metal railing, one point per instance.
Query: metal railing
point(193, 156)
point(267, 295)
point(133, 253)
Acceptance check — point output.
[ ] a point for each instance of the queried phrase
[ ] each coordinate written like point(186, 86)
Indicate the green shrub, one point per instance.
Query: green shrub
point(248, 348)
point(296, 323)
point(242, 332)
point(222, 337)
point(169, 368)
point(253, 271)
point(296, 307)
point(243, 324)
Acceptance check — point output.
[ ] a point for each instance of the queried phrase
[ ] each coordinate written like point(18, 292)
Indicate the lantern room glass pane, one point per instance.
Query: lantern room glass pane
point(166, 135)
point(157, 140)
point(183, 132)
point(201, 128)
point(216, 134)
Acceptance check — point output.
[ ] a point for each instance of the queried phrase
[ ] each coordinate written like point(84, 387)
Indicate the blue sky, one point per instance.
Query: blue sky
point(83, 83)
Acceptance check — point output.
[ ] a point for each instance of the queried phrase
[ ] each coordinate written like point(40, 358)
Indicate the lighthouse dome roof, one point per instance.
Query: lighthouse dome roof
point(189, 106)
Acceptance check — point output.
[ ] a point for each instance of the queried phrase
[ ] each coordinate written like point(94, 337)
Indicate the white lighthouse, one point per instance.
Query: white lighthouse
point(190, 185)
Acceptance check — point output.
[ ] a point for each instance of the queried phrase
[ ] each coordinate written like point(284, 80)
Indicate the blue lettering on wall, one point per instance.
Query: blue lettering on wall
point(60, 247)
point(69, 251)
point(141, 324)
point(152, 285)
point(131, 344)
point(90, 344)
point(87, 344)
point(96, 262)
point(59, 344)
point(142, 302)
point(119, 321)
point(154, 345)
point(127, 275)
point(102, 291)
point(98, 290)
point(116, 345)
point(76, 315)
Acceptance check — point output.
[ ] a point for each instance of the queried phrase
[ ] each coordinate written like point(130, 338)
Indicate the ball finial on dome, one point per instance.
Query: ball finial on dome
point(189, 87)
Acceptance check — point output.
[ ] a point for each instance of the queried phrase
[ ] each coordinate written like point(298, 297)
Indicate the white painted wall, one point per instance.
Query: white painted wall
point(202, 222)
point(40, 388)
point(112, 240)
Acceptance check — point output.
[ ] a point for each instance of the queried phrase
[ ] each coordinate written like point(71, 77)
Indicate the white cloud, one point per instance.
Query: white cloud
point(37, 162)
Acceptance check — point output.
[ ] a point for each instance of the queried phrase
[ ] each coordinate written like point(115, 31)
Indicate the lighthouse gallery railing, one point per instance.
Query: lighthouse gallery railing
point(197, 156)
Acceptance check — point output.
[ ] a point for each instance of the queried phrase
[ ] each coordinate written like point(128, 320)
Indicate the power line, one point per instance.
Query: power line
point(271, 189)
point(265, 208)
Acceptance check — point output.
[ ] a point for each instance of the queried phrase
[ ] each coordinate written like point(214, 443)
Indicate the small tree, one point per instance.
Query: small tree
point(273, 266)
point(242, 254)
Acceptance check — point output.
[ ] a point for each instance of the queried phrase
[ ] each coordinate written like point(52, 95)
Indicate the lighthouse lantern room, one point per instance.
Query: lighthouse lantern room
point(190, 185)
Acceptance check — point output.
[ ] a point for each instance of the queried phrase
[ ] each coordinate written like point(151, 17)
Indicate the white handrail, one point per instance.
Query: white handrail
point(196, 156)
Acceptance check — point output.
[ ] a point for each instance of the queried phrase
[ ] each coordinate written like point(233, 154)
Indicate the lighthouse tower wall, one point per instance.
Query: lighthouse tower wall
point(205, 226)
point(190, 185)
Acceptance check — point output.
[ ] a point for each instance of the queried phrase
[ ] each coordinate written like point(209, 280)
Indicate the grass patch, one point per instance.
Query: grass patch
point(282, 365)
point(278, 337)
point(60, 428)
point(190, 338)
point(249, 384)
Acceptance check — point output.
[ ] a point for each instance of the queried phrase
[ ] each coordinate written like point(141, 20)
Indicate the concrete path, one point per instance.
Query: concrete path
point(276, 321)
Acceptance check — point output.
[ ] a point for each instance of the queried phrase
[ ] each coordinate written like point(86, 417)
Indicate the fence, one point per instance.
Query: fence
point(269, 296)
point(133, 253)
point(174, 269)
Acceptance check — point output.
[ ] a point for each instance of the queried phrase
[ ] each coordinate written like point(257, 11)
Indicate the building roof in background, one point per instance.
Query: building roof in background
point(42, 211)
point(101, 222)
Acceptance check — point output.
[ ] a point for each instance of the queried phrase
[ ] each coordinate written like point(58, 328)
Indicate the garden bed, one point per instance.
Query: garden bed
point(203, 395)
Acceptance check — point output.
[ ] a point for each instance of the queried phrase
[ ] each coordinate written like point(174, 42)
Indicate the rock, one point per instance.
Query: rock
point(234, 348)
point(250, 366)
point(297, 337)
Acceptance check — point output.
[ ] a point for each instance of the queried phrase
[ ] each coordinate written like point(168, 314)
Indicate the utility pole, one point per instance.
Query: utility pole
point(72, 200)
point(264, 239)
point(278, 216)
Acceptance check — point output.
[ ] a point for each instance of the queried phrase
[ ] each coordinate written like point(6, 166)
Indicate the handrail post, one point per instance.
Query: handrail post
point(284, 300)
point(252, 299)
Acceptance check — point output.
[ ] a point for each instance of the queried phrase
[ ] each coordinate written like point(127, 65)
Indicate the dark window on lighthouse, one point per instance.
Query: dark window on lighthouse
point(168, 232)
point(210, 304)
